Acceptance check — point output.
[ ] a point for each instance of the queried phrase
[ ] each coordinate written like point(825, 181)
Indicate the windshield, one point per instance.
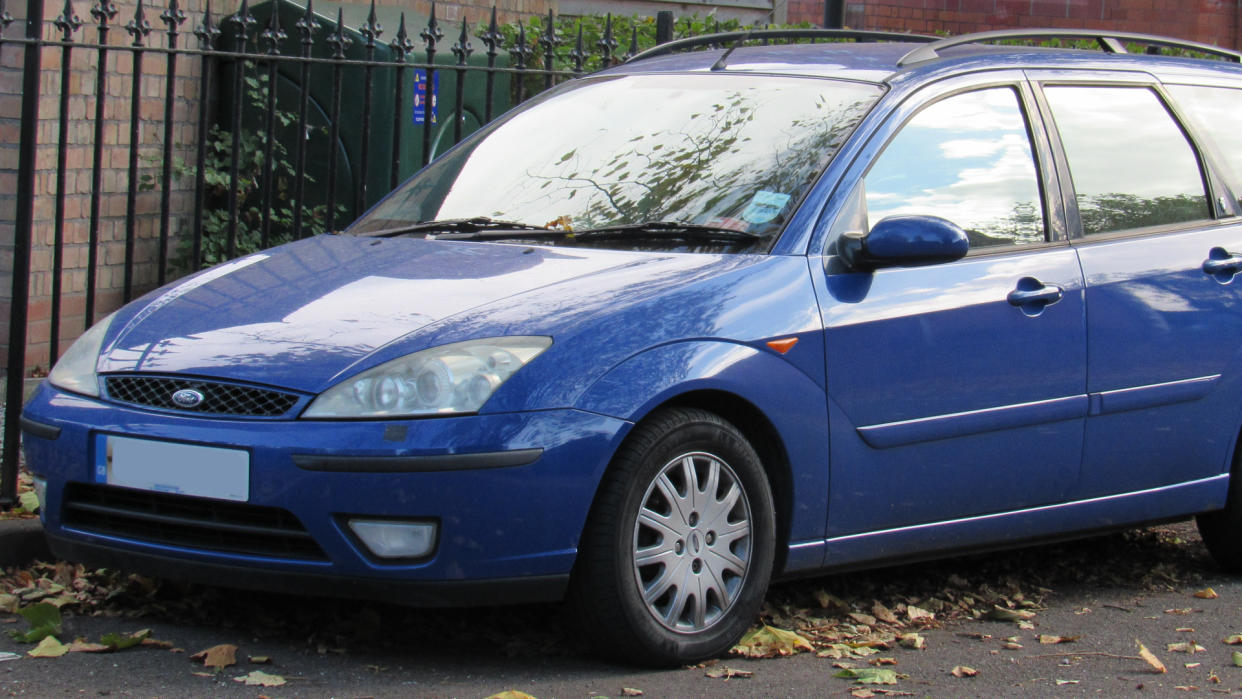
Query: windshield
point(723, 151)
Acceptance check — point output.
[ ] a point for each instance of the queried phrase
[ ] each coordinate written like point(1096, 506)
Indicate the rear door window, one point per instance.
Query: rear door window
point(1131, 164)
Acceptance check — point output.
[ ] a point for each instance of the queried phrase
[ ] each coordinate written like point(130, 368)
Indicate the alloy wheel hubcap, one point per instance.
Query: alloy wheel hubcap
point(692, 542)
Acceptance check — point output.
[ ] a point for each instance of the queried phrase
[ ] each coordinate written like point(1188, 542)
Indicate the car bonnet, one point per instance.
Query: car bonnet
point(297, 315)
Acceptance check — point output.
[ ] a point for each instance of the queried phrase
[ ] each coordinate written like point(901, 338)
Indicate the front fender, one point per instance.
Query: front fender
point(793, 402)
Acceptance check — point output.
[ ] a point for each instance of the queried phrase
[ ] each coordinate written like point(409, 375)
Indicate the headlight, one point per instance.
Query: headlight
point(76, 369)
point(456, 378)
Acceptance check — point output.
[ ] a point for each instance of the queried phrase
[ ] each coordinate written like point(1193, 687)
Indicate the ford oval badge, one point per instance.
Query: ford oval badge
point(188, 398)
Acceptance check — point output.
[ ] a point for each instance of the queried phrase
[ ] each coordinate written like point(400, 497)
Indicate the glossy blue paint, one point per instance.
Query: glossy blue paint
point(1019, 392)
point(1159, 328)
point(905, 241)
point(517, 539)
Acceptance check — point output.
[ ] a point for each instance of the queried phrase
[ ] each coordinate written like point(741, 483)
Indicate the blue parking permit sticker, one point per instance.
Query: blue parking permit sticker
point(765, 206)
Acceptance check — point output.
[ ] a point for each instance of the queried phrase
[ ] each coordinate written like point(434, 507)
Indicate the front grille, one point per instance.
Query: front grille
point(178, 520)
point(218, 398)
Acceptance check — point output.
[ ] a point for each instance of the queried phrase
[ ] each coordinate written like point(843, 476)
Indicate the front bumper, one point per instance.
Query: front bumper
point(513, 513)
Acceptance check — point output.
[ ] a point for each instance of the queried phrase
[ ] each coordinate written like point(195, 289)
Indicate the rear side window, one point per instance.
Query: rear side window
point(1131, 164)
point(1216, 110)
point(968, 159)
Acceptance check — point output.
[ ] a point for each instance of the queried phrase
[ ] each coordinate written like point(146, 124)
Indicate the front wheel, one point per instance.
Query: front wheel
point(1222, 529)
point(678, 550)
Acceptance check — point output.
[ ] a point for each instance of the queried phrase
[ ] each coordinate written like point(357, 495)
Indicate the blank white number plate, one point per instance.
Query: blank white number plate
point(184, 469)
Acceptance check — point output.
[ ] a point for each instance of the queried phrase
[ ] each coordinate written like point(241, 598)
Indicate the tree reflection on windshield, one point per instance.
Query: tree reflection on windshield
point(733, 152)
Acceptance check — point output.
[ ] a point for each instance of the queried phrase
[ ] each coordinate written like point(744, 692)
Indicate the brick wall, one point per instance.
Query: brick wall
point(1209, 21)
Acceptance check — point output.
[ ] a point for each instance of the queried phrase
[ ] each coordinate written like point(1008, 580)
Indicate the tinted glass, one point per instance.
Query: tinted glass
point(727, 151)
point(1216, 109)
point(1131, 164)
point(966, 159)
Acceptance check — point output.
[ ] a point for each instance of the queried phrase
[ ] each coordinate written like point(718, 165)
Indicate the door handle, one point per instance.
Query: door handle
point(1220, 262)
point(1033, 296)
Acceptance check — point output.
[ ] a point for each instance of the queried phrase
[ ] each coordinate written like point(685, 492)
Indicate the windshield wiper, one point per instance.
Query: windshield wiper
point(669, 229)
point(462, 228)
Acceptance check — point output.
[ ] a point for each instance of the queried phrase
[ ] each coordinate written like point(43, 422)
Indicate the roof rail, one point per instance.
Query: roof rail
point(730, 38)
point(1109, 42)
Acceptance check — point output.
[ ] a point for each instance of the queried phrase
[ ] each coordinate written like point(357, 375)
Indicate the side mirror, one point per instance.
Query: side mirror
point(904, 241)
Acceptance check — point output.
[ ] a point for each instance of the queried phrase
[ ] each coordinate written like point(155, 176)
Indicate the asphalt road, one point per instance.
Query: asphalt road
point(1103, 594)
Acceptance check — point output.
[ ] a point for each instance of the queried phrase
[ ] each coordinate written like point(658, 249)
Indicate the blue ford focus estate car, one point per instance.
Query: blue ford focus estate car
point(692, 323)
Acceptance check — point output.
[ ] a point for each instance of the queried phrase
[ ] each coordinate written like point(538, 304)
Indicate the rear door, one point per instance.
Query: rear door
point(1161, 248)
point(955, 389)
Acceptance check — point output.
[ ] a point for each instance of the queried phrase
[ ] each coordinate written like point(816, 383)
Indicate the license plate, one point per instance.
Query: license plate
point(169, 467)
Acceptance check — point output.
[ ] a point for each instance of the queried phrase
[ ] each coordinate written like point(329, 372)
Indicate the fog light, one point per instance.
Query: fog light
point(393, 539)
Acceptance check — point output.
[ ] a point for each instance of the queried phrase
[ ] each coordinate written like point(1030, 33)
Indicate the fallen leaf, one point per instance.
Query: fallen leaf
point(1150, 658)
point(121, 641)
point(630, 692)
point(1061, 682)
point(260, 659)
point(1183, 610)
point(919, 615)
point(9, 603)
point(44, 620)
point(510, 694)
point(1010, 645)
point(869, 675)
point(156, 643)
point(1191, 666)
point(862, 693)
point(1234, 640)
point(883, 613)
point(1003, 614)
point(85, 647)
point(1186, 647)
point(1207, 593)
point(769, 641)
point(1237, 659)
point(1185, 629)
point(827, 600)
point(219, 657)
point(727, 673)
point(963, 671)
point(258, 678)
point(882, 661)
point(1053, 640)
point(913, 641)
point(865, 619)
point(49, 647)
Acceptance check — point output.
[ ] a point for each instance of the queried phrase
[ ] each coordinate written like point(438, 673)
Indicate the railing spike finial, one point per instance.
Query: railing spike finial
point(401, 45)
point(307, 25)
point(68, 22)
point(338, 40)
point(372, 29)
point(139, 27)
point(173, 16)
point(492, 37)
point(577, 55)
point(462, 49)
point(104, 12)
point(244, 22)
point(608, 43)
point(207, 32)
point(274, 33)
point(6, 17)
point(520, 52)
point(432, 33)
point(633, 43)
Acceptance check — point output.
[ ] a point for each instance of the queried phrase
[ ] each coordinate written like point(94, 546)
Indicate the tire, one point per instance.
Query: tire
point(1222, 529)
point(669, 572)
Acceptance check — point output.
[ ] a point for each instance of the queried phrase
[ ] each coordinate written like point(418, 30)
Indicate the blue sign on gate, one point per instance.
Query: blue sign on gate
point(420, 95)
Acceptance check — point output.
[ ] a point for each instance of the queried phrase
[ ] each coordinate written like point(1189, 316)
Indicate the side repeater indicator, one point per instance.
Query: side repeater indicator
point(783, 345)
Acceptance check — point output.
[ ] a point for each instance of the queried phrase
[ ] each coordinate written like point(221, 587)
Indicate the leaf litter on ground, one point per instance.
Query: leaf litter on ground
point(851, 615)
